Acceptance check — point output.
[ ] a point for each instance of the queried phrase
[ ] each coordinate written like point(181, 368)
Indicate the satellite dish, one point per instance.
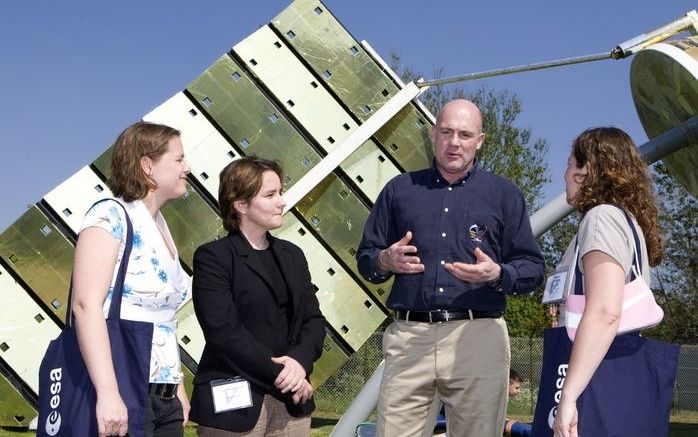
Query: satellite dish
point(664, 85)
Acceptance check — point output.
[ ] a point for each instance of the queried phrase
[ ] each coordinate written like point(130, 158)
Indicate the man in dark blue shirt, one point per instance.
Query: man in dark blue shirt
point(458, 239)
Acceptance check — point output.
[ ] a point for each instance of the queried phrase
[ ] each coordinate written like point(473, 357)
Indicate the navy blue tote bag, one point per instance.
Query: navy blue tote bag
point(629, 395)
point(67, 397)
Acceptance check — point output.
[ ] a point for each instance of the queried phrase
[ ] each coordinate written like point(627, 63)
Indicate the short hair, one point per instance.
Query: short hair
point(515, 376)
point(242, 180)
point(617, 174)
point(142, 139)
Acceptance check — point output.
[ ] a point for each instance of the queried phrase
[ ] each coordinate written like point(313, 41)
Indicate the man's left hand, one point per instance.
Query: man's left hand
point(484, 269)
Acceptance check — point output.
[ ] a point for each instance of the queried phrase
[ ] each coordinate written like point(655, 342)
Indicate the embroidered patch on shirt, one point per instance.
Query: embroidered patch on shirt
point(476, 232)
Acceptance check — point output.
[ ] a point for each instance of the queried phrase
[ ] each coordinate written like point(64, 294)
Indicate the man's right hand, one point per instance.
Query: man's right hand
point(400, 257)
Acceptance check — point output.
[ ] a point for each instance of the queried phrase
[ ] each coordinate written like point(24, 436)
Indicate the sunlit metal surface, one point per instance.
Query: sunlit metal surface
point(192, 223)
point(341, 62)
point(14, 409)
point(73, 198)
point(189, 333)
point(339, 218)
point(25, 330)
point(327, 122)
point(250, 120)
point(36, 250)
point(664, 84)
point(343, 303)
point(330, 361)
point(207, 152)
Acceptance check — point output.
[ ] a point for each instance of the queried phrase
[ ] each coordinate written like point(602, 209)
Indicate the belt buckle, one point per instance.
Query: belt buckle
point(169, 393)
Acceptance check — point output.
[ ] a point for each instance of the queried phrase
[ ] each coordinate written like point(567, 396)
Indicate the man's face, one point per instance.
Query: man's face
point(456, 137)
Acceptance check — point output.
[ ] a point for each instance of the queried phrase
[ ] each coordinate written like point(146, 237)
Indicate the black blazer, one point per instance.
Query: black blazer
point(235, 304)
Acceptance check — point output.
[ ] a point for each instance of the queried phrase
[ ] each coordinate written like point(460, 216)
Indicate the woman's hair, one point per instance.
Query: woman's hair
point(142, 139)
point(242, 180)
point(617, 174)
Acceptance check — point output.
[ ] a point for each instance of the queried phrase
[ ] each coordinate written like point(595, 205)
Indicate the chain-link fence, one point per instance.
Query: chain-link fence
point(337, 393)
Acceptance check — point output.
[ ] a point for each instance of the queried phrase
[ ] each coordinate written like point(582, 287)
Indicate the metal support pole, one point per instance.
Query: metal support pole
point(622, 50)
point(519, 69)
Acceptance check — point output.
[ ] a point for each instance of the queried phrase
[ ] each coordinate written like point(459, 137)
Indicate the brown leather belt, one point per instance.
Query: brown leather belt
point(439, 316)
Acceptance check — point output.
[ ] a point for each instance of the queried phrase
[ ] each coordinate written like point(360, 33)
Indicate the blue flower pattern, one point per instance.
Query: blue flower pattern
point(142, 297)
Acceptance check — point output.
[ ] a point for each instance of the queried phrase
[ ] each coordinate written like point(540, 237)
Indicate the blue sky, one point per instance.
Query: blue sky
point(74, 74)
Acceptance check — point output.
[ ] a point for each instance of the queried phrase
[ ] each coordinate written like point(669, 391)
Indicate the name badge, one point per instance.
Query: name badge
point(554, 288)
point(230, 394)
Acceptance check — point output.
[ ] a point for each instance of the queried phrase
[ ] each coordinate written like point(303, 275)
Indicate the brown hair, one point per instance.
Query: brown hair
point(142, 139)
point(617, 174)
point(242, 180)
point(515, 376)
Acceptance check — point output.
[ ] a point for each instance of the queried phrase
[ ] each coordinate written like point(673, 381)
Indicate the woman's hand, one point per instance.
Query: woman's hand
point(112, 415)
point(304, 394)
point(291, 377)
point(184, 400)
point(565, 424)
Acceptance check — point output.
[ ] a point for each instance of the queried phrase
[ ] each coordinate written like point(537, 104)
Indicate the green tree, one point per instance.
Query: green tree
point(511, 151)
point(675, 280)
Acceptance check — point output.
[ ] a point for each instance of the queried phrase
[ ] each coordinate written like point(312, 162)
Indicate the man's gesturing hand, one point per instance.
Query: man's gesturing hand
point(484, 269)
point(400, 257)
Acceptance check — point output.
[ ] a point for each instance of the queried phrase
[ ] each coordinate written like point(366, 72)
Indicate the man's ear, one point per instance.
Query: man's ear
point(241, 206)
point(480, 140)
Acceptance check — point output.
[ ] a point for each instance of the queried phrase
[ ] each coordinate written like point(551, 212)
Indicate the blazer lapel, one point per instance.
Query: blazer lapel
point(245, 251)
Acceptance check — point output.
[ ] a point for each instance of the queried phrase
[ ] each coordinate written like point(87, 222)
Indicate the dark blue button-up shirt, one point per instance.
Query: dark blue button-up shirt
point(448, 221)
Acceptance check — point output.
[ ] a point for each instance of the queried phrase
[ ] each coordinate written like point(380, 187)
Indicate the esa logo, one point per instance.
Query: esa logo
point(561, 373)
point(53, 421)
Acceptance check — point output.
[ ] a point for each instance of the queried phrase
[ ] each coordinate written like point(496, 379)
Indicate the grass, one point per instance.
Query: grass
point(683, 424)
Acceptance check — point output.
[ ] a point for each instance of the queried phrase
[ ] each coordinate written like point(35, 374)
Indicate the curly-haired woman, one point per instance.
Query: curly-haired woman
point(606, 178)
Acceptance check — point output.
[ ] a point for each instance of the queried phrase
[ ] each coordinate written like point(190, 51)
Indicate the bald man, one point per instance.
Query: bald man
point(458, 239)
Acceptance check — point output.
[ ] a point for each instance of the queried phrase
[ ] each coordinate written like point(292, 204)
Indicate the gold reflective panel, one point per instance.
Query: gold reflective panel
point(15, 411)
point(341, 63)
point(256, 126)
point(335, 56)
point(189, 333)
point(25, 330)
point(327, 122)
point(347, 308)
point(36, 250)
point(192, 223)
point(206, 151)
point(339, 218)
point(73, 198)
point(188, 380)
point(664, 83)
point(330, 361)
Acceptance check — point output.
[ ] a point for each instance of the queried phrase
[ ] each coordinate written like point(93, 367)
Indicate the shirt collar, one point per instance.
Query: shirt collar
point(438, 180)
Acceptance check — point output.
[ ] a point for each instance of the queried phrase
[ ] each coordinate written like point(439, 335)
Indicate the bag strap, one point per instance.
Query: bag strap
point(117, 293)
point(635, 270)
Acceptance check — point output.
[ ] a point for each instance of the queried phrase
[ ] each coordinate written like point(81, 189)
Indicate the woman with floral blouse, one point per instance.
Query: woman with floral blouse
point(147, 170)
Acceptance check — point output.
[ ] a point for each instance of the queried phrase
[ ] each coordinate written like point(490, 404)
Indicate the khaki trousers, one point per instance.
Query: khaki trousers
point(274, 421)
point(465, 363)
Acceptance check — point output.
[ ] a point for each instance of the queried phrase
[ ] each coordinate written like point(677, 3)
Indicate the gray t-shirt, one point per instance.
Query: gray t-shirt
point(605, 228)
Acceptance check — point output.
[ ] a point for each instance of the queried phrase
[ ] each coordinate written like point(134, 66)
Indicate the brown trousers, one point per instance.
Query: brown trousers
point(274, 421)
point(465, 363)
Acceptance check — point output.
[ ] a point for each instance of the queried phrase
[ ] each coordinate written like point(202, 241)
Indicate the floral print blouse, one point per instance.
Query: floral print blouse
point(155, 284)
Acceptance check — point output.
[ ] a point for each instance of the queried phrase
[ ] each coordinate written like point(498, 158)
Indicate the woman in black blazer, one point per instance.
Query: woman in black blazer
point(258, 312)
